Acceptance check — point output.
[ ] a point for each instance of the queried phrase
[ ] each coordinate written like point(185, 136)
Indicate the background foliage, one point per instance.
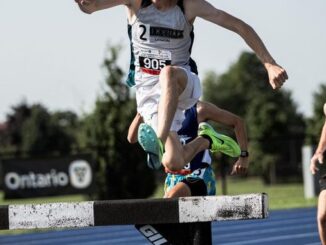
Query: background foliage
point(275, 128)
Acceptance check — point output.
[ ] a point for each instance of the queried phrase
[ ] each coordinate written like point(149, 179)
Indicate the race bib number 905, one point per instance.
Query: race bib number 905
point(153, 61)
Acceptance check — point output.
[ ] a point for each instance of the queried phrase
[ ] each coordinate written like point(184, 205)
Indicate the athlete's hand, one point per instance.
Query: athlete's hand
point(277, 75)
point(317, 157)
point(87, 6)
point(241, 166)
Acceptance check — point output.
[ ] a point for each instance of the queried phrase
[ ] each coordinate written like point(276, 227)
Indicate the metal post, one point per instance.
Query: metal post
point(308, 178)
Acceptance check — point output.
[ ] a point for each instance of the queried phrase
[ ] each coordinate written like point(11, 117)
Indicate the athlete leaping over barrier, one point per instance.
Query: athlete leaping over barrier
point(165, 76)
point(197, 177)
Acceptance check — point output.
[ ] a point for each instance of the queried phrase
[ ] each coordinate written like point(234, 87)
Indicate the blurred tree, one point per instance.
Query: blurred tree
point(15, 122)
point(70, 124)
point(122, 169)
point(316, 122)
point(32, 131)
point(44, 135)
point(235, 89)
point(275, 128)
point(4, 139)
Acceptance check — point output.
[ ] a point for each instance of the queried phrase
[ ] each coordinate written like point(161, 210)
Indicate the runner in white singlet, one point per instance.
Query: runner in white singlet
point(161, 36)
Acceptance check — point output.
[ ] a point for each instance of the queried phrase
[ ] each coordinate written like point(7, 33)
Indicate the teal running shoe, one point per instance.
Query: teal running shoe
point(220, 142)
point(151, 144)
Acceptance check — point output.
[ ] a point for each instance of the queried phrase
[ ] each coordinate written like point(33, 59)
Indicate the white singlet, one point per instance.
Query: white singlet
point(161, 38)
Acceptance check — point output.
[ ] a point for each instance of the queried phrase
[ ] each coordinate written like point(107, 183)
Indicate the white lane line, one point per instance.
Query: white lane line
point(266, 231)
point(262, 224)
point(73, 237)
point(275, 238)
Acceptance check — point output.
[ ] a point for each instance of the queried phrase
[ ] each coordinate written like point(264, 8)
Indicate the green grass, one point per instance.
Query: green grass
point(68, 198)
point(281, 196)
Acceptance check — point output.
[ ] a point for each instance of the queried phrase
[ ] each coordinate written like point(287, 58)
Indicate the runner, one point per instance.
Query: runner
point(319, 157)
point(197, 177)
point(165, 78)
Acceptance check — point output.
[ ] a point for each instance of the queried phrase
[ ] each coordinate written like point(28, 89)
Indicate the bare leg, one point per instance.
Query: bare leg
point(191, 149)
point(179, 190)
point(173, 81)
point(322, 216)
point(177, 156)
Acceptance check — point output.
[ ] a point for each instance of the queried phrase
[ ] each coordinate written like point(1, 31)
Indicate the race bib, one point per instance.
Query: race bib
point(199, 173)
point(152, 61)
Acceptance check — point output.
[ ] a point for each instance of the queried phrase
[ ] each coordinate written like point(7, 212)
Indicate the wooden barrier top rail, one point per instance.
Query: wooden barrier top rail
point(134, 211)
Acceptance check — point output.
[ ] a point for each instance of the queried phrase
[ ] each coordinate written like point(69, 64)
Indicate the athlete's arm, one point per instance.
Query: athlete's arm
point(90, 6)
point(207, 111)
point(201, 8)
point(318, 156)
point(133, 129)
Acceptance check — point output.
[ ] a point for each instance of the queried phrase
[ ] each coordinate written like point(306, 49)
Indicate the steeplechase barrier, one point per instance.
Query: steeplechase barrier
point(154, 218)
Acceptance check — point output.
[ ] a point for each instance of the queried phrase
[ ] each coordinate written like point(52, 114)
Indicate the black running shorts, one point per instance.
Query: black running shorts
point(322, 172)
point(322, 182)
point(196, 186)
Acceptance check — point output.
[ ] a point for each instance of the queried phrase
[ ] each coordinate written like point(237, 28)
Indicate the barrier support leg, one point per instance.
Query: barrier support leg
point(199, 233)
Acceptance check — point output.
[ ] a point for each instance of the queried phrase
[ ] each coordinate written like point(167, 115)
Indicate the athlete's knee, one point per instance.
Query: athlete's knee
point(173, 163)
point(179, 190)
point(173, 160)
point(171, 166)
point(167, 72)
point(176, 193)
point(173, 76)
point(167, 77)
point(171, 194)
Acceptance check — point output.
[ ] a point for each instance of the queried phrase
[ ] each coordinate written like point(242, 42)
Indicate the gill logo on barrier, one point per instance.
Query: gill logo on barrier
point(152, 235)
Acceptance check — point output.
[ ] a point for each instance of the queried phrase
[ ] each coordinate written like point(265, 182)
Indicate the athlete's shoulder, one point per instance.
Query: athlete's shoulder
point(133, 3)
point(197, 8)
point(132, 8)
point(325, 109)
point(191, 4)
point(125, 2)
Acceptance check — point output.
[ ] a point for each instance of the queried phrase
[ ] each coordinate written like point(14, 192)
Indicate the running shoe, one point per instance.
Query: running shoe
point(151, 144)
point(220, 142)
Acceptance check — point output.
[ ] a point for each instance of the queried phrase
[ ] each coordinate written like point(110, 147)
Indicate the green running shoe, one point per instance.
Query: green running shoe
point(220, 142)
point(151, 144)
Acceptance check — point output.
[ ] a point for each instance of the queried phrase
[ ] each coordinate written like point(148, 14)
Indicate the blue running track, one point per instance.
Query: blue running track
point(283, 227)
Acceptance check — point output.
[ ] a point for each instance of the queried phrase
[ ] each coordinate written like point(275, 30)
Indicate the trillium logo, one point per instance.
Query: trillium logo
point(80, 174)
